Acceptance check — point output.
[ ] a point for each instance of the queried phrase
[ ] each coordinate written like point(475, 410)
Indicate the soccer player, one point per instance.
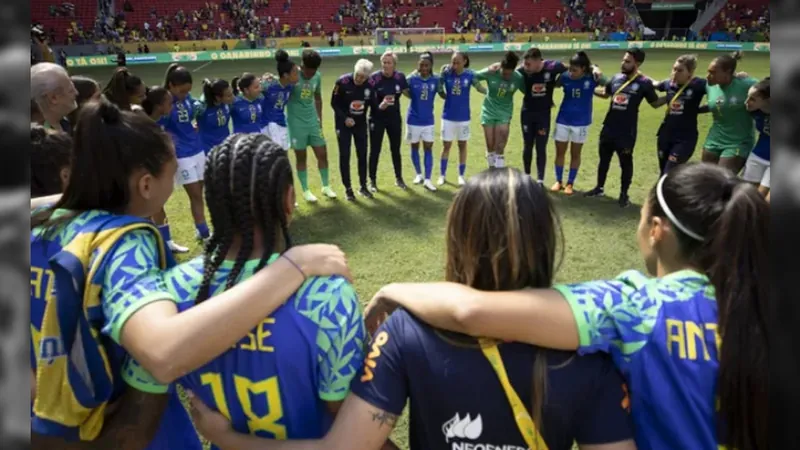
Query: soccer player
point(691, 342)
point(498, 106)
point(470, 393)
point(305, 124)
point(386, 86)
point(214, 112)
point(50, 157)
point(423, 87)
point(731, 136)
point(677, 135)
point(293, 370)
point(756, 170)
point(456, 80)
point(246, 111)
point(350, 101)
point(125, 89)
point(276, 92)
point(574, 118)
point(627, 90)
point(188, 147)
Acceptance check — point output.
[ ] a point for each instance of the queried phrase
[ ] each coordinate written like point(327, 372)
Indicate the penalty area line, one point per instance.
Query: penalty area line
point(203, 66)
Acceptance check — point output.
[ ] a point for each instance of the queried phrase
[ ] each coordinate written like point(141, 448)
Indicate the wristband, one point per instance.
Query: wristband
point(295, 265)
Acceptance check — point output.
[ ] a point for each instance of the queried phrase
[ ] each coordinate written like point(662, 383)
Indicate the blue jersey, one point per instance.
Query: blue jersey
point(179, 125)
point(457, 87)
point(274, 104)
point(576, 107)
point(457, 402)
point(213, 123)
point(662, 335)
point(129, 280)
point(423, 92)
point(246, 115)
point(763, 144)
point(275, 382)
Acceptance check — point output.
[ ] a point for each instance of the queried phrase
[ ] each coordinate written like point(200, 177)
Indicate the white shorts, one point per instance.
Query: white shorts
point(416, 133)
point(191, 169)
point(569, 133)
point(455, 131)
point(278, 134)
point(756, 170)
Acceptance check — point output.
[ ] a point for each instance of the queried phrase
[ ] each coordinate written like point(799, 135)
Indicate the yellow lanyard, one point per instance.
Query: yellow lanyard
point(635, 76)
point(523, 418)
point(677, 95)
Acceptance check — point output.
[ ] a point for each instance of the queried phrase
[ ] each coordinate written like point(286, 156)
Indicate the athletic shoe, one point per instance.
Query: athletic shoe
point(177, 248)
point(461, 181)
point(309, 197)
point(418, 179)
point(349, 195)
point(372, 187)
point(328, 192)
point(441, 181)
point(596, 192)
point(364, 192)
point(400, 183)
point(624, 201)
point(429, 186)
point(557, 187)
point(540, 183)
point(569, 190)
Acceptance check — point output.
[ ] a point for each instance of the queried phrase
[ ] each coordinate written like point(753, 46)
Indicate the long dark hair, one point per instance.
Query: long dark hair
point(153, 97)
point(109, 145)
point(503, 234)
point(213, 88)
point(50, 153)
point(242, 82)
point(120, 87)
point(246, 180)
point(177, 75)
point(733, 218)
point(581, 59)
point(285, 65)
point(86, 88)
point(728, 62)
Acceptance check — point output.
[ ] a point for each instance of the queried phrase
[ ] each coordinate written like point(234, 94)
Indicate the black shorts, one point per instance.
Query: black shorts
point(535, 123)
point(677, 150)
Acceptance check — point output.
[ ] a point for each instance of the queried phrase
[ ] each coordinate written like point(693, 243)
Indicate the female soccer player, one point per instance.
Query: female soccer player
point(574, 118)
point(214, 113)
point(731, 136)
point(246, 111)
point(386, 86)
point(188, 147)
point(456, 80)
point(133, 164)
point(157, 103)
point(304, 122)
point(677, 135)
point(125, 89)
point(756, 170)
point(350, 101)
point(423, 87)
point(498, 106)
point(50, 157)
point(303, 356)
point(691, 342)
point(478, 393)
point(276, 94)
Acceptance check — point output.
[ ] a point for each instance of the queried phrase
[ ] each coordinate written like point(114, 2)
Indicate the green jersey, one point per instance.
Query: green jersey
point(301, 109)
point(733, 125)
point(499, 102)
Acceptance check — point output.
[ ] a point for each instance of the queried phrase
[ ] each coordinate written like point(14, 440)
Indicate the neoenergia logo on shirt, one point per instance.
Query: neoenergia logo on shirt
point(460, 430)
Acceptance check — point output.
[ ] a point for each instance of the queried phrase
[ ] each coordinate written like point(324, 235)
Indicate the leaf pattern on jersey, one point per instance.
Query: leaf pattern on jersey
point(67, 232)
point(333, 305)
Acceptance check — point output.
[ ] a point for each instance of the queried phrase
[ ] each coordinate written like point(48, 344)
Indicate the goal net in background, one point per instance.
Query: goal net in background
point(417, 36)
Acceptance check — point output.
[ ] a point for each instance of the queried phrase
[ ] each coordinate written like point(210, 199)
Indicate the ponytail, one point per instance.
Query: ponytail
point(153, 97)
point(120, 88)
point(729, 62)
point(235, 86)
point(213, 88)
point(177, 75)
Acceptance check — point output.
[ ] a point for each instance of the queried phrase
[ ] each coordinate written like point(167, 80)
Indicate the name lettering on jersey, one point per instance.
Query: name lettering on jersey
point(256, 341)
point(42, 278)
point(380, 340)
point(50, 349)
point(683, 338)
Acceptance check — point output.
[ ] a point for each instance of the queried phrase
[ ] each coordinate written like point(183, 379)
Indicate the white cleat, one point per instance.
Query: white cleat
point(461, 181)
point(328, 192)
point(429, 186)
point(441, 181)
point(418, 179)
point(309, 197)
point(177, 248)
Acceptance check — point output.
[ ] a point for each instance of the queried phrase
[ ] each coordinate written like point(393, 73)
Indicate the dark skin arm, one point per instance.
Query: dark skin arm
point(318, 104)
point(132, 426)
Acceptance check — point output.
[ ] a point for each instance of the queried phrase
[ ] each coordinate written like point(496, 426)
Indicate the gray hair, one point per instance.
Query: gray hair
point(46, 78)
point(363, 67)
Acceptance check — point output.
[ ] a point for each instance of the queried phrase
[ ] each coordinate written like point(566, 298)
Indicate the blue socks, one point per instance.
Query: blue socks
point(443, 166)
point(165, 233)
point(559, 173)
point(461, 169)
point(415, 158)
point(573, 173)
point(202, 230)
point(428, 160)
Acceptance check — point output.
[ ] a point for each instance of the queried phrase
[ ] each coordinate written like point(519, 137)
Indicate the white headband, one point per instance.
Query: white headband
point(670, 215)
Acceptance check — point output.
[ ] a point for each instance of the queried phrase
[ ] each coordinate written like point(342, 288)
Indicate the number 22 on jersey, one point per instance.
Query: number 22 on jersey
point(245, 388)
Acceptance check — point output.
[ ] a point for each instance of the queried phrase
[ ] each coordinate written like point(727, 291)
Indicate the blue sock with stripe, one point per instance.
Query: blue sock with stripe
point(202, 230)
point(415, 158)
point(428, 160)
point(443, 167)
point(559, 173)
point(573, 173)
point(462, 168)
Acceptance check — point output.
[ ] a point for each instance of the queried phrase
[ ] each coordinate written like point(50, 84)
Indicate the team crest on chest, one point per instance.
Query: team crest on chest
point(397, 88)
point(635, 87)
point(547, 76)
point(586, 84)
point(366, 93)
point(733, 100)
point(688, 92)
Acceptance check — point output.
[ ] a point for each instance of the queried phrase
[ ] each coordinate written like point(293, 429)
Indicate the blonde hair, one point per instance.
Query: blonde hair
point(390, 53)
point(688, 61)
point(363, 66)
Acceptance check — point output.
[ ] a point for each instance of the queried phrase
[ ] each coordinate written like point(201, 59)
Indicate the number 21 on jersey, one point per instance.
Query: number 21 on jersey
point(245, 388)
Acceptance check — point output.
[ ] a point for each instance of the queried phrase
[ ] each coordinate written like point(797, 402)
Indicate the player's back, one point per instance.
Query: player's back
point(275, 99)
point(275, 382)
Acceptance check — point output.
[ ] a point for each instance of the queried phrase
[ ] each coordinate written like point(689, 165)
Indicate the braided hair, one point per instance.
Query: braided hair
point(246, 180)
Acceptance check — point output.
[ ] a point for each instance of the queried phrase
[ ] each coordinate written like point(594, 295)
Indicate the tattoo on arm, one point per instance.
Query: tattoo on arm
point(384, 418)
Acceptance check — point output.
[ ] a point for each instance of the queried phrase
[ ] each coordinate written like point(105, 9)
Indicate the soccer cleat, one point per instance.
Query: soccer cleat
point(372, 187)
point(569, 190)
point(624, 201)
point(400, 183)
point(596, 192)
point(309, 197)
point(441, 181)
point(177, 248)
point(418, 179)
point(540, 182)
point(328, 192)
point(429, 186)
point(461, 181)
point(556, 187)
point(364, 192)
point(349, 195)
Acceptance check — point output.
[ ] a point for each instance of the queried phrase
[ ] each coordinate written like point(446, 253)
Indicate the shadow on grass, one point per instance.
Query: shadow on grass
point(606, 209)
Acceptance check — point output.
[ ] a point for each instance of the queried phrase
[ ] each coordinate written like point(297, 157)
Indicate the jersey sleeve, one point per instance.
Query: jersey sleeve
point(403, 82)
point(559, 67)
point(609, 84)
point(318, 90)
point(340, 342)
point(604, 417)
point(650, 92)
point(616, 317)
point(383, 380)
point(481, 75)
point(335, 101)
point(140, 379)
point(662, 86)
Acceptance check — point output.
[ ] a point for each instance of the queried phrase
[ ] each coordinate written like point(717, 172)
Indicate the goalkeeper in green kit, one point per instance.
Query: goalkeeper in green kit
point(498, 106)
point(304, 121)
